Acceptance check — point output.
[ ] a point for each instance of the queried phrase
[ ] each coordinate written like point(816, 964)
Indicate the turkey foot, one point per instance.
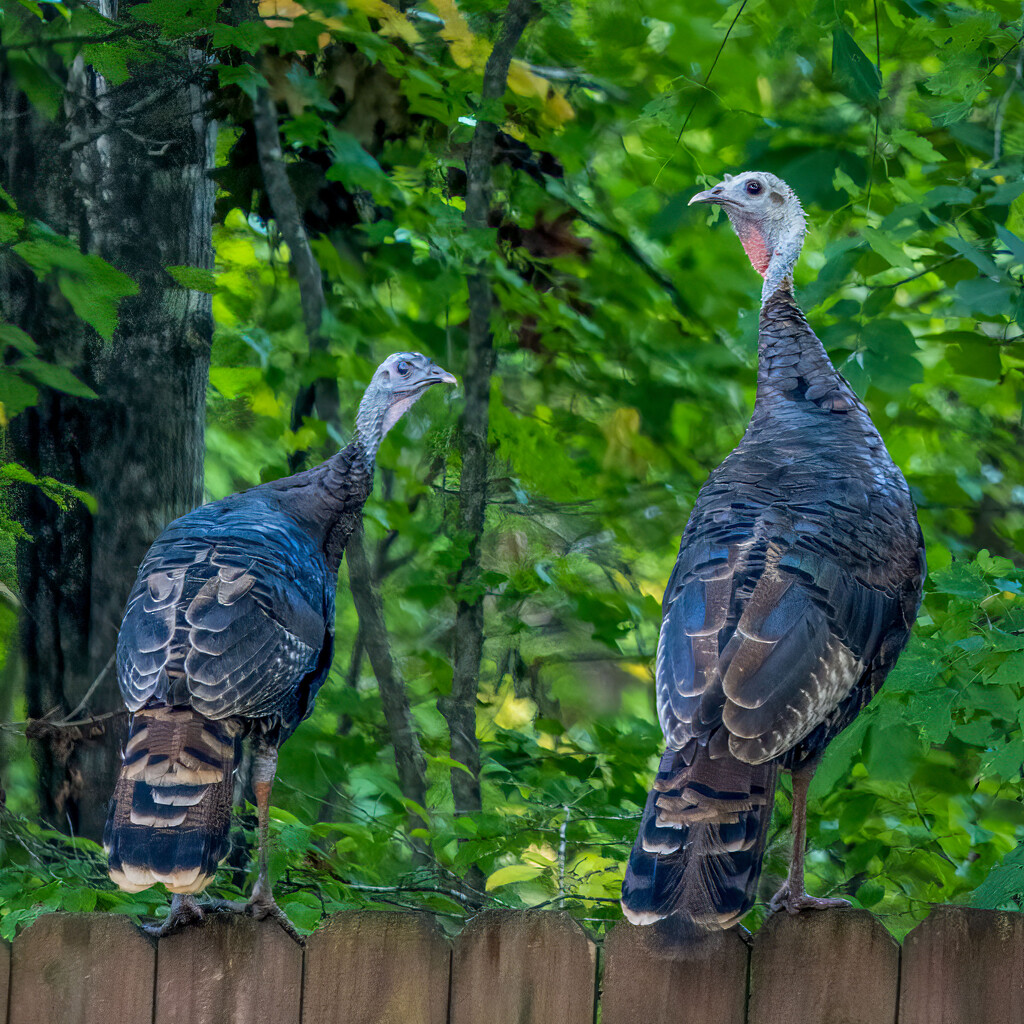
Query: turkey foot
point(259, 906)
point(794, 902)
point(262, 905)
point(184, 910)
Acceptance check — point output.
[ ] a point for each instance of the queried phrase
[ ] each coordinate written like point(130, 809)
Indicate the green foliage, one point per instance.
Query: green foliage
point(626, 342)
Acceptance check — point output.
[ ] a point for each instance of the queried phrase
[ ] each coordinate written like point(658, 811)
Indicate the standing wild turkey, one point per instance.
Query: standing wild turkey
point(798, 580)
point(228, 632)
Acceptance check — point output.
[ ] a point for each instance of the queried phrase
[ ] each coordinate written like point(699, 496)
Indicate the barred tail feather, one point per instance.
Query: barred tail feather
point(171, 809)
point(702, 837)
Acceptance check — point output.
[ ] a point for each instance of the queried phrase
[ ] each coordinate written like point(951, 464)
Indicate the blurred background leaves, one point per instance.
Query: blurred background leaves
point(626, 339)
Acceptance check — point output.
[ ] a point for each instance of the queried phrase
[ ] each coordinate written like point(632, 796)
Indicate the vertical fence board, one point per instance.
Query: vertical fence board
point(376, 968)
point(964, 966)
point(649, 979)
point(82, 968)
point(229, 969)
point(5, 978)
point(523, 967)
point(824, 965)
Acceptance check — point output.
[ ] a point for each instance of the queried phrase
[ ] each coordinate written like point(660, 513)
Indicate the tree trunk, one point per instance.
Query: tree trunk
point(122, 171)
point(459, 709)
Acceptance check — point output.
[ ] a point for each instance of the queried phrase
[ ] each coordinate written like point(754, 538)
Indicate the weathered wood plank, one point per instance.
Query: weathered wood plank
point(229, 970)
point(963, 966)
point(5, 977)
point(648, 979)
point(823, 965)
point(86, 968)
point(376, 968)
point(523, 967)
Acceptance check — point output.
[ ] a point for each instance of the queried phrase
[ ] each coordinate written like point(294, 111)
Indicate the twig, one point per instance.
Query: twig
point(120, 33)
point(997, 140)
point(696, 100)
point(627, 245)
point(321, 393)
point(409, 759)
point(874, 144)
point(88, 693)
point(914, 277)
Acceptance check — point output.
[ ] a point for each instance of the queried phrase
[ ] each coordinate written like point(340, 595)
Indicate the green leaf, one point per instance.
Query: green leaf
point(11, 335)
point(198, 279)
point(978, 358)
point(961, 579)
point(448, 762)
point(41, 87)
point(234, 381)
point(16, 394)
point(1005, 885)
point(883, 244)
point(177, 18)
point(981, 260)
point(60, 378)
point(245, 76)
point(512, 873)
point(91, 285)
point(856, 75)
point(1012, 242)
point(75, 900)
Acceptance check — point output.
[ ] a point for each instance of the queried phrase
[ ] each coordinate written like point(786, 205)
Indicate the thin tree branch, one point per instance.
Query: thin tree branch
point(460, 708)
point(93, 40)
point(707, 78)
point(321, 394)
point(997, 133)
point(409, 759)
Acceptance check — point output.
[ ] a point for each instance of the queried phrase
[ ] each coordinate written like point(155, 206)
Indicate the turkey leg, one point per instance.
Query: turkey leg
point(261, 903)
point(792, 897)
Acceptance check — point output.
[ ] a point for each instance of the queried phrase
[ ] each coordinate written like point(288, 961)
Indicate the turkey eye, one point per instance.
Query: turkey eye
point(753, 187)
point(403, 368)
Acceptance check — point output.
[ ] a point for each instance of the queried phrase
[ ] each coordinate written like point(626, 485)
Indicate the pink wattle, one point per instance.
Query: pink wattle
point(755, 248)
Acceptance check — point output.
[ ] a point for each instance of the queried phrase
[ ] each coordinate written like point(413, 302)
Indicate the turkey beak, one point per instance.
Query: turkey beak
point(439, 376)
point(711, 195)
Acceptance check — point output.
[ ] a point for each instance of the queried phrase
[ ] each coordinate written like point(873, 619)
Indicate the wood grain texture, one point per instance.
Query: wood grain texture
point(964, 966)
point(82, 968)
point(5, 977)
point(649, 979)
point(834, 966)
point(229, 970)
point(523, 967)
point(377, 968)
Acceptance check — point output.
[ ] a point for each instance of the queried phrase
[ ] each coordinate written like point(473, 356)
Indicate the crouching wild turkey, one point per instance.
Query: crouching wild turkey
point(798, 580)
point(229, 632)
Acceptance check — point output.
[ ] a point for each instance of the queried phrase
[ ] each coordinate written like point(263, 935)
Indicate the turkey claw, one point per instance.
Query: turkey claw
point(795, 902)
point(262, 905)
point(184, 911)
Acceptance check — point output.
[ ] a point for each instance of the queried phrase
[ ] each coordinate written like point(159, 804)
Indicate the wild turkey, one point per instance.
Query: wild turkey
point(229, 632)
point(798, 580)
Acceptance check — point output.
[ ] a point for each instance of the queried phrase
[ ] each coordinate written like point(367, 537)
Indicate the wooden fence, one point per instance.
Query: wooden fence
point(832, 967)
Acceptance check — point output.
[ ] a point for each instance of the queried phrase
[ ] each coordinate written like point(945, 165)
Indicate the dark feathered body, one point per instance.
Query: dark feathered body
point(798, 580)
point(228, 631)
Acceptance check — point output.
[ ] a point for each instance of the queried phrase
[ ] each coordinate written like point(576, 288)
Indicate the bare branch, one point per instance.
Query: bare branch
point(409, 759)
point(321, 394)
